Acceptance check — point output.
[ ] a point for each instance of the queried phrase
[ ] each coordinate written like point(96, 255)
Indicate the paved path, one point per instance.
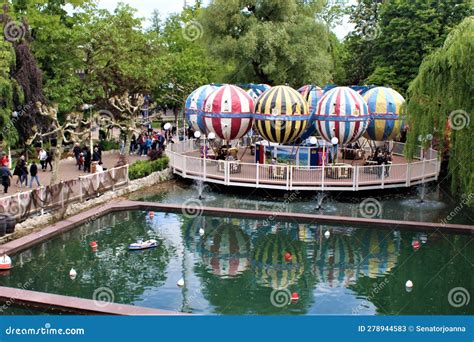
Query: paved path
point(67, 170)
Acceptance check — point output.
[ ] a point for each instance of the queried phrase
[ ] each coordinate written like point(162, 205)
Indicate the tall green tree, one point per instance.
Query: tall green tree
point(441, 96)
point(269, 41)
point(360, 45)
point(409, 30)
point(187, 62)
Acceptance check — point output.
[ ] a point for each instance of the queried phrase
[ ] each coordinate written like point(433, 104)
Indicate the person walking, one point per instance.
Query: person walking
point(77, 151)
point(34, 174)
point(49, 160)
point(42, 156)
point(23, 172)
point(4, 161)
point(87, 160)
point(6, 176)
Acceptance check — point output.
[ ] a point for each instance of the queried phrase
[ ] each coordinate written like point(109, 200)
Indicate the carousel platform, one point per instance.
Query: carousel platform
point(187, 161)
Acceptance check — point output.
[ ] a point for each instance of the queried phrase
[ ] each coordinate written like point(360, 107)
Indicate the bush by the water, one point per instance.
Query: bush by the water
point(143, 168)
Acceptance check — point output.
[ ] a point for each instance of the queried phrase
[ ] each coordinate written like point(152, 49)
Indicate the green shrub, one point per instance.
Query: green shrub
point(109, 145)
point(143, 168)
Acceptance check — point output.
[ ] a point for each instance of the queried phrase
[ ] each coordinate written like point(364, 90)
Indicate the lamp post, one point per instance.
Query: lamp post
point(334, 142)
point(167, 128)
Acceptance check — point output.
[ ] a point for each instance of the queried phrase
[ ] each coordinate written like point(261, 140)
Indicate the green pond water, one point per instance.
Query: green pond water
point(240, 266)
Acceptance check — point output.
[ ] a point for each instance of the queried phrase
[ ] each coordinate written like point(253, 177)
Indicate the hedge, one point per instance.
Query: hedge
point(143, 168)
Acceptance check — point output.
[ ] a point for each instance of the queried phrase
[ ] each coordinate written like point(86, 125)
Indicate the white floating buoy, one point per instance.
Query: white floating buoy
point(5, 262)
point(201, 231)
point(327, 234)
point(180, 282)
point(409, 284)
point(72, 273)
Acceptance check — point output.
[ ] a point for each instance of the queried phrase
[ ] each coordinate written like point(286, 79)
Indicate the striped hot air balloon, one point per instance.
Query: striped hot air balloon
point(257, 90)
point(281, 115)
point(337, 259)
point(228, 112)
point(312, 94)
point(342, 113)
point(385, 108)
point(226, 250)
point(194, 106)
point(269, 264)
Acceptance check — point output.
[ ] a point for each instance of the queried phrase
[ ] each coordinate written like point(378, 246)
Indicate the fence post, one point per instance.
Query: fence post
point(226, 172)
point(258, 173)
point(62, 194)
point(184, 166)
point(80, 190)
point(354, 177)
point(113, 180)
point(423, 172)
point(322, 177)
point(127, 167)
point(291, 177)
point(383, 174)
point(204, 167)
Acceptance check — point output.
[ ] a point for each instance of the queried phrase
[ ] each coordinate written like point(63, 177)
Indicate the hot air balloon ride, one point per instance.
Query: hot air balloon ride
point(281, 115)
point(312, 94)
point(343, 114)
point(194, 106)
point(385, 106)
point(228, 112)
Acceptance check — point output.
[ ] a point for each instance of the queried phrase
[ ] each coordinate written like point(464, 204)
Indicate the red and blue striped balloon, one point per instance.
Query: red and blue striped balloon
point(194, 106)
point(228, 112)
point(342, 113)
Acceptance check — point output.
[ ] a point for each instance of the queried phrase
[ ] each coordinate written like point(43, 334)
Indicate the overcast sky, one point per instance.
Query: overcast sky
point(166, 7)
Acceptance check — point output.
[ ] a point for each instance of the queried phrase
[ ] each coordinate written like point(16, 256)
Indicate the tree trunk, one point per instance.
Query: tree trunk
point(56, 160)
point(127, 145)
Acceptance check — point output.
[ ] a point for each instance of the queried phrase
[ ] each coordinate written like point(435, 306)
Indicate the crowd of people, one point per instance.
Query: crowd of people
point(147, 141)
point(23, 170)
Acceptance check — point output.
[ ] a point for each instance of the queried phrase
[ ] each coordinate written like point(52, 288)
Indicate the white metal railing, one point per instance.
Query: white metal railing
point(24, 204)
point(292, 177)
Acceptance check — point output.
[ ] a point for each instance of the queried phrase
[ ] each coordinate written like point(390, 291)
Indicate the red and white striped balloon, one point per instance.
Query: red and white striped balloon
point(228, 112)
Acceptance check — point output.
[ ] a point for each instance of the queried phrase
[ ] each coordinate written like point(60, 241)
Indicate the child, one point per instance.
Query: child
point(80, 161)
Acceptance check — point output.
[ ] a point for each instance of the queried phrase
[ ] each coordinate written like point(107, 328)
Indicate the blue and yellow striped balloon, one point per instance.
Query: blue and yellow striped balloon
point(385, 108)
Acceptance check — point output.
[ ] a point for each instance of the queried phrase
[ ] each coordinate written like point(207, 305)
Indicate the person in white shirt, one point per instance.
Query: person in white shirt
point(42, 156)
point(99, 168)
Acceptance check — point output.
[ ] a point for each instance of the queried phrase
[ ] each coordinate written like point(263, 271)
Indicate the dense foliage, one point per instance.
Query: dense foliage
point(441, 101)
point(143, 168)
